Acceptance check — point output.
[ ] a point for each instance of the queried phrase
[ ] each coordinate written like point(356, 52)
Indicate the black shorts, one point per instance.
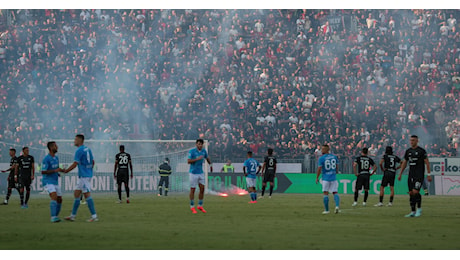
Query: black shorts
point(122, 177)
point(25, 181)
point(415, 182)
point(362, 181)
point(388, 178)
point(269, 177)
point(14, 185)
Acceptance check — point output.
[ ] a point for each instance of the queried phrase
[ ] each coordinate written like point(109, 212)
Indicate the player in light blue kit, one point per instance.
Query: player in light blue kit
point(50, 172)
point(327, 164)
point(85, 161)
point(196, 157)
point(251, 167)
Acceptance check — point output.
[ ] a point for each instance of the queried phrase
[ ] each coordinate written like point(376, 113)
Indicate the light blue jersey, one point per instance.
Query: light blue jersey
point(84, 158)
point(197, 167)
point(328, 163)
point(251, 165)
point(50, 163)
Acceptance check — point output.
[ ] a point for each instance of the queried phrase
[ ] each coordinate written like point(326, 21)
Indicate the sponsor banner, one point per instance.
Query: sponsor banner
point(445, 166)
point(447, 185)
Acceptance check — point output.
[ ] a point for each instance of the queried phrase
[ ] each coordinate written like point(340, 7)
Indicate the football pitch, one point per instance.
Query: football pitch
point(284, 222)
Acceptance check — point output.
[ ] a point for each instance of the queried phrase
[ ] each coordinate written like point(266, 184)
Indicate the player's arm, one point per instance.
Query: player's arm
point(428, 169)
point(131, 168)
point(190, 161)
point(32, 177)
point(115, 166)
point(244, 171)
point(318, 172)
point(381, 165)
point(374, 169)
point(403, 167)
point(209, 162)
point(73, 166)
point(259, 169)
point(264, 166)
point(355, 168)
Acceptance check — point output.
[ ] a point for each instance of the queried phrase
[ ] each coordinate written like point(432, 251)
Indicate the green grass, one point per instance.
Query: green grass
point(285, 222)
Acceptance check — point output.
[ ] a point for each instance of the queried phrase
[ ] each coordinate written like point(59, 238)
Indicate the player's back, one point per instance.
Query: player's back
point(84, 158)
point(13, 161)
point(390, 161)
point(251, 165)
point(123, 160)
point(365, 164)
point(328, 163)
point(270, 164)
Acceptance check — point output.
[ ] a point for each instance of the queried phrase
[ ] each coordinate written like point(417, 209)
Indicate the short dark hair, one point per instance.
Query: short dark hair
point(199, 140)
point(389, 150)
point(12, 149)
point(365, 150)
point(82, 137)
point(122, 147)
point(250, 152)
point(49, 144)
point(25, 147)
point(270, 151)
point(414, 136)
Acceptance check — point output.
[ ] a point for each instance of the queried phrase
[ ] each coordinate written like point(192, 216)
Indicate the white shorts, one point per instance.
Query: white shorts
point(53, 188)
point(250, 182)
point(330, 186)
point(196, 179)
point(84, 184)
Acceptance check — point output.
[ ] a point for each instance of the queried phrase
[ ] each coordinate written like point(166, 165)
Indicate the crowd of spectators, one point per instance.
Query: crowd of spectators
point(242, 79)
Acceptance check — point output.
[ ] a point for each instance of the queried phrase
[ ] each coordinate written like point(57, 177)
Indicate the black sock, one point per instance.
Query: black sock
point(366, 194)
point(21, 196)
point(356, 195)
point(263, 190)
point(8, 194)
point(119, 192)
point(127, 191)
point(412, 202)
point(27, 196)
point(418, 199)
point(381, 199)
point(271, 190)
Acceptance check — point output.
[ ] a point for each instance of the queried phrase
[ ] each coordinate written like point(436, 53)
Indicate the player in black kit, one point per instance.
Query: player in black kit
point(121, 171)
point(13, 177)
point(362, 167)
point(417, 159)
point(388, 165)
point(268, 172)
point(26, 168)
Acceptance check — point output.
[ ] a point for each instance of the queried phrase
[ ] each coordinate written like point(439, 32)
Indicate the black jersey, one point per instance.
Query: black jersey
point(270, 164)
point(13, 161)
point(365, 164)
point(123, 160)
point(390, 161)
point(416, 160)
point(25, 165)
point(164, 169)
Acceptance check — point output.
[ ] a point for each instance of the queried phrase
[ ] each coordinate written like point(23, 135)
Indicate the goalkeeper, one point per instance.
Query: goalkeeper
point(164, 171)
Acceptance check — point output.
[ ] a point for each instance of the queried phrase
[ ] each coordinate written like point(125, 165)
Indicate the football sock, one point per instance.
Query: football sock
point(381, 199)
point(263, 190)
point(271, 190)
point(76, 204)
point(58, 208)
point(119, 192)
point(200, 203)
point(53, 207)
point(356, 195)
point(127, 190)
point(418, 199)
point(90, 203)
point(391, 199)
point(326, 202)
point(192, 203)
point(366, 194)
point(21, 196)
point(8, 194)
point(412, 202)
point(337, 200)
point(27, 196)
point(255, 195)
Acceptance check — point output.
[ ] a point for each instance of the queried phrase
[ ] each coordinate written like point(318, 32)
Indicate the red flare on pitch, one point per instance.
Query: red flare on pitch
point(223, 194)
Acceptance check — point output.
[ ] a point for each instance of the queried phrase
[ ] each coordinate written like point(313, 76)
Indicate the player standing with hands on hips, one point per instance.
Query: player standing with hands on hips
point(327, 165)
point(85, 161)
point(268, 172)
point(251, 167)
point(197, 177)
point(417, 159)
point(362, 167)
